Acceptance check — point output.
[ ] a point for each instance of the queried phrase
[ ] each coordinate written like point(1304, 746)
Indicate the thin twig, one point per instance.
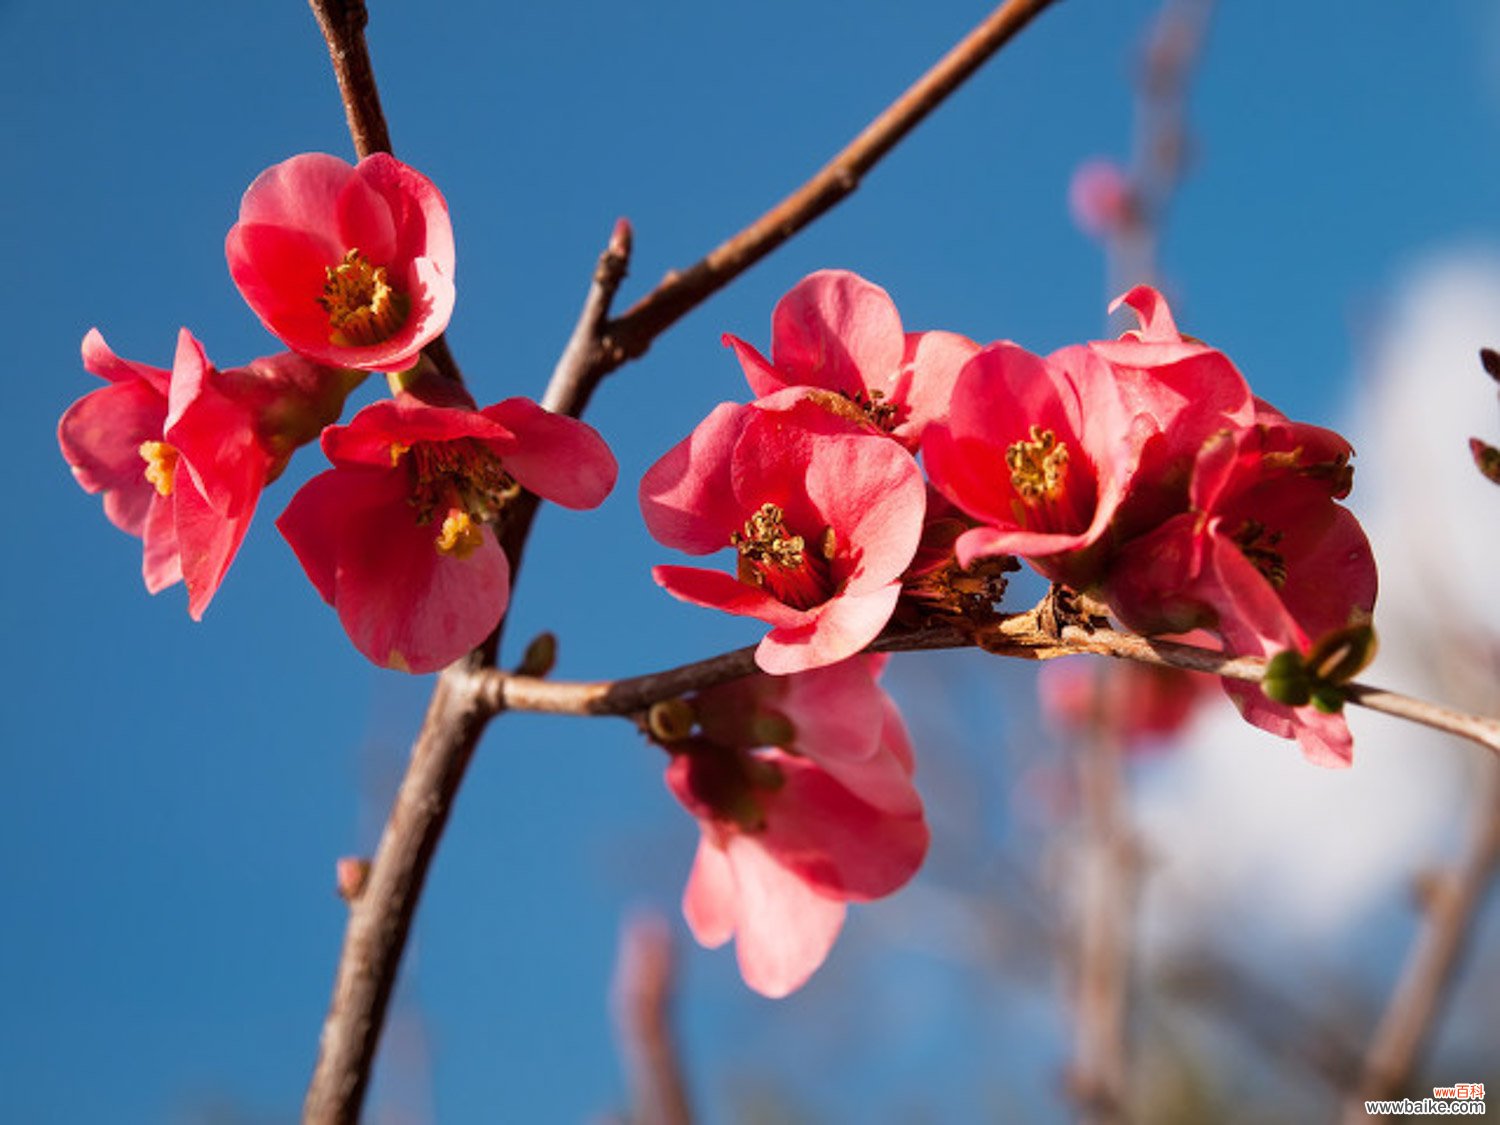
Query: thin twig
point(1452, 902)
point(343, 25)
point(566, 394)
point(1163, 142)
point(629, 335)
point(1105, 893)
point(456, 717)
point(380, 917)
point(1019, 635)
point(643, 985)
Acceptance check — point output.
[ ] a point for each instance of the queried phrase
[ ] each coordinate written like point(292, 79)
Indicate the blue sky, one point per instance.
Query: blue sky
point(176, 793)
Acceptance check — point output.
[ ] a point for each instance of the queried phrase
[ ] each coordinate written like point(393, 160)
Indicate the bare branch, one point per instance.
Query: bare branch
point(643, 985)
point(1019, 634)
point(1450, 910)
point(1105, 887)
point(380, 916)
point(629, 335)
point(342, 23)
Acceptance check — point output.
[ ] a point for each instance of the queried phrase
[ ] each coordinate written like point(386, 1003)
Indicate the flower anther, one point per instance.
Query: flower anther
point(161, 465)
point(363, 307)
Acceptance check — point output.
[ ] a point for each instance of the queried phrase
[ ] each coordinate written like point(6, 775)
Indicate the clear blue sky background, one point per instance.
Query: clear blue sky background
point(176, 794)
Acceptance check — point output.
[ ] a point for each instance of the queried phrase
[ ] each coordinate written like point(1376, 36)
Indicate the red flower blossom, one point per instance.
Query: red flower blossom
point(1135, 703)
point(398, 537)
point(837, 332)
point(1038, 451)
point(823, 524)
point(792, 833)
point(182, 456)
point(1180, 393)
point(352, 266)
point(1266, 558)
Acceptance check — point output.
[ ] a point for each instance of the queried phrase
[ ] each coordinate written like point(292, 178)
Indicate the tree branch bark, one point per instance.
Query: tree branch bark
point(1019, 634)
point(1450, 909)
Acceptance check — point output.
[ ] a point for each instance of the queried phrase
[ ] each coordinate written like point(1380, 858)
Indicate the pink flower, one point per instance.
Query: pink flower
point(1134, 703)
point(822, 522)
point(1040, 452)
point(791, 834)
point(835, 331)
point(352, 266)
point(1181, 392)
point(1101, 199)
point(1266, 558)
point(399, 536)
point(182, 456)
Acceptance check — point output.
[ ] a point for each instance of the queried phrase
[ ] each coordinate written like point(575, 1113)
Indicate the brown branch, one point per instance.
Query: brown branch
point(380, 917)
point(1162, 139)
point(643, 985)
point(1451, 908)
point(1105, 889)
point(342, 23)
point(629, 335)
point(1019, 634)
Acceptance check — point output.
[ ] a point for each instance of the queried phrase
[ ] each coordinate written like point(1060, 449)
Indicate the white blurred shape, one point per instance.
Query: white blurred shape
point(1253, 845)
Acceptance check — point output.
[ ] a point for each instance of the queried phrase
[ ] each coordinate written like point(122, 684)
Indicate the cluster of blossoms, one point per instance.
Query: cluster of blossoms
point(1140, 474)
point(352, 269)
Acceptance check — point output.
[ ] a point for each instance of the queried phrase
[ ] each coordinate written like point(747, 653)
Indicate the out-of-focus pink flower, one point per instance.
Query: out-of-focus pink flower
point(1040, 452)
point(1100, 198)
point(351, 265)
point(398, 537)
point(1133, 703)
point(822, 522)
point(182, 456)
point(1266, 558)
point(837, 332)
point(802, 791)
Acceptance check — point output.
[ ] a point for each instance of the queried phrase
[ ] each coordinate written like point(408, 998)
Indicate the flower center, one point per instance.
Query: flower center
point(362, 306)
point(161, 465)
point(1259, 546)
point(772, 557)
point(460, 482)
point(1038, 467)
point(874, 409)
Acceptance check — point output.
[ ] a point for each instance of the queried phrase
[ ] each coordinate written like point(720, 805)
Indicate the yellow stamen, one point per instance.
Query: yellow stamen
point(161, 465)
point(766, 540)
point(782, 563)
point(398, 449)
point(1037, 467)
point(460, 536)
point(1258, 544)
point(363, 307)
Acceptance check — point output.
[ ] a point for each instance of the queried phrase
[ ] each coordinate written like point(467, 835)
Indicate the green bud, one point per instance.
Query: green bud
point(1286, 679)
point(1341, 655)
point(1328, 698)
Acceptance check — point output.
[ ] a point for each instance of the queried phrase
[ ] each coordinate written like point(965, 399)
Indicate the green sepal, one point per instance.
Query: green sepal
point(1328, 698)
point(1285, 679)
